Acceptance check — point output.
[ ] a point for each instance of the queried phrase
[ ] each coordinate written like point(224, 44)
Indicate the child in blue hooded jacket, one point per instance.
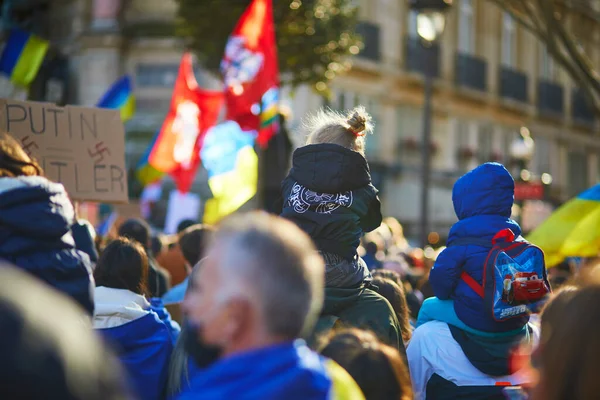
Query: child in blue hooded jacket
point(483, 200)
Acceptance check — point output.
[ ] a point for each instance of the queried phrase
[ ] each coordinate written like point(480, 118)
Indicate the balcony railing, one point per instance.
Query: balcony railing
point(471, 72)
point(551, 99)
point(419, 57)
point(580, 108)
point(371, 40)
point(513, 84)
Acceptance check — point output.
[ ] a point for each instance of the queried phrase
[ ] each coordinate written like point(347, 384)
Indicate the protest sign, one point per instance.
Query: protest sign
point(181, 206)
point(82, 148)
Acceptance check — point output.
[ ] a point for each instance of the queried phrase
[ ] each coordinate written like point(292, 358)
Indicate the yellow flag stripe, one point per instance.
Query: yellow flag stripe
point(128, 109)
point(232, 189)
point(30, 61)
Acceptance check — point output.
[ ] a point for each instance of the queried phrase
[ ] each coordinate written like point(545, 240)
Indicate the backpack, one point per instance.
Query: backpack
point(514, 276)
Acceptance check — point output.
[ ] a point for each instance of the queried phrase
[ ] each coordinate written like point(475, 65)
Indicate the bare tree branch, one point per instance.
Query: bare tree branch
point(546, 19)
point(563, 46)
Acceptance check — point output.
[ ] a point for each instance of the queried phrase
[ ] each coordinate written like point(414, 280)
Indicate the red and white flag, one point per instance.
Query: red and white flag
point(193, 111)
point(251, 73)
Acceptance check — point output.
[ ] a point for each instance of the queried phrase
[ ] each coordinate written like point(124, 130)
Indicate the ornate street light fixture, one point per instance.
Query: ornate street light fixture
point(431, 17)
point(431, 21)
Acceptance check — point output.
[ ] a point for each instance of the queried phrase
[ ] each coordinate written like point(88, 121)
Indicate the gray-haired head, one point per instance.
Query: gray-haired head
point(275, 264)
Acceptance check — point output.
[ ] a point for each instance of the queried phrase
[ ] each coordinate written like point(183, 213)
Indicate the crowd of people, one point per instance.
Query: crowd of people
point(326, 301)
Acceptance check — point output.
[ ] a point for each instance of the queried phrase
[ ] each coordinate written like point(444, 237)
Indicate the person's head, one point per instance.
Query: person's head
point(136, 229)
point(48, 352)
point(396, 268)
point(569, 348)
point(261, 283)
point(186, 223)
point(14, 161)
point(328, 126)
point(193, 242)
point(123, 265)
point(394, 293)
point(377, 368)
point(157, 244)
point(372, 247)
point(486, 190)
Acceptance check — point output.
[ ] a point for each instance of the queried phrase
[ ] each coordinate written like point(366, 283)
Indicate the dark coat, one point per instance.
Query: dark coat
point(359, 308)
point(329, 194)
point(36, 217)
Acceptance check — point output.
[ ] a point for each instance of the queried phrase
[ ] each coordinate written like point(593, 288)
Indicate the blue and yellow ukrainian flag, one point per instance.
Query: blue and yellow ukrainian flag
point(232, 164)
point(120, 97)
point(22, 57)
point(269, 108)
point(144, 171)
point(572, 230)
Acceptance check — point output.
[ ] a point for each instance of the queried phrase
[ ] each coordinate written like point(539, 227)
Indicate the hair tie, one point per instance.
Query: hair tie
point(355, 132)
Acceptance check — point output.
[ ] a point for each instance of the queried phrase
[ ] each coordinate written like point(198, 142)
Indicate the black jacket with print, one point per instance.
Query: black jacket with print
point(329, 194)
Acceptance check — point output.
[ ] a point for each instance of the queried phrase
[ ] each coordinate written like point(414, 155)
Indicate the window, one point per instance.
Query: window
point(105, 14)
point(542, 156)
point(409, 123)
point(372, 141)
point(485, 142)
point(466, 38)
point(578, 172)
point(546, 64)
point(156, 75)
point(509, 135)
point(340, 101)
point(412, 24)
point(508, 40)
point(464, 147)
point(152, 106)
point(350, 101)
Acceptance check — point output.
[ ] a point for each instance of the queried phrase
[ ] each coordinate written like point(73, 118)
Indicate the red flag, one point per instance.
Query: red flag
point(251, 73)
point(193, 111)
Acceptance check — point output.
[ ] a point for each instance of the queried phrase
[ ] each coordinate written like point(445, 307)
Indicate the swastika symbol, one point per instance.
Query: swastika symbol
point(100, 150)
point(28, 144)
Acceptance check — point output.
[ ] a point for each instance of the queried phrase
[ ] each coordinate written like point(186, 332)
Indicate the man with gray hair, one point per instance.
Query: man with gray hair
point(260, 288)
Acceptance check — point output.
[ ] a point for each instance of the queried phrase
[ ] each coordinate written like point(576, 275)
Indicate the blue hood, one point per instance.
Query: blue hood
point(487, 190)
point(287, 371)
point(36, 217)
point(144, 347)
point(34, 212)
point(483, 200)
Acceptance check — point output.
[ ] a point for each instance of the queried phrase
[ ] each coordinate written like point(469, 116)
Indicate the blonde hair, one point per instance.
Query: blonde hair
point(328, 126)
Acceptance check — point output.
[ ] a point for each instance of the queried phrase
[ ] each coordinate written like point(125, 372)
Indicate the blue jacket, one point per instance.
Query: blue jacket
point(144, 348)
point(36, 217)
point(287, 371)
point(483, 200)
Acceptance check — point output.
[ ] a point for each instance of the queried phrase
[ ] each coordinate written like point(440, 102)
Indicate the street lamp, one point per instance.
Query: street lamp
point(521, 151)
point(431, 21)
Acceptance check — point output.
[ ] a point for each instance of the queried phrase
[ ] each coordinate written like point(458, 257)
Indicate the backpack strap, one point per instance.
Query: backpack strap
point(503, 238)
point(468, 279)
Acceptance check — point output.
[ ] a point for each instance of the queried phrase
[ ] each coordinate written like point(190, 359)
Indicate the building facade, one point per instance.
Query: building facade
point(492, 78)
